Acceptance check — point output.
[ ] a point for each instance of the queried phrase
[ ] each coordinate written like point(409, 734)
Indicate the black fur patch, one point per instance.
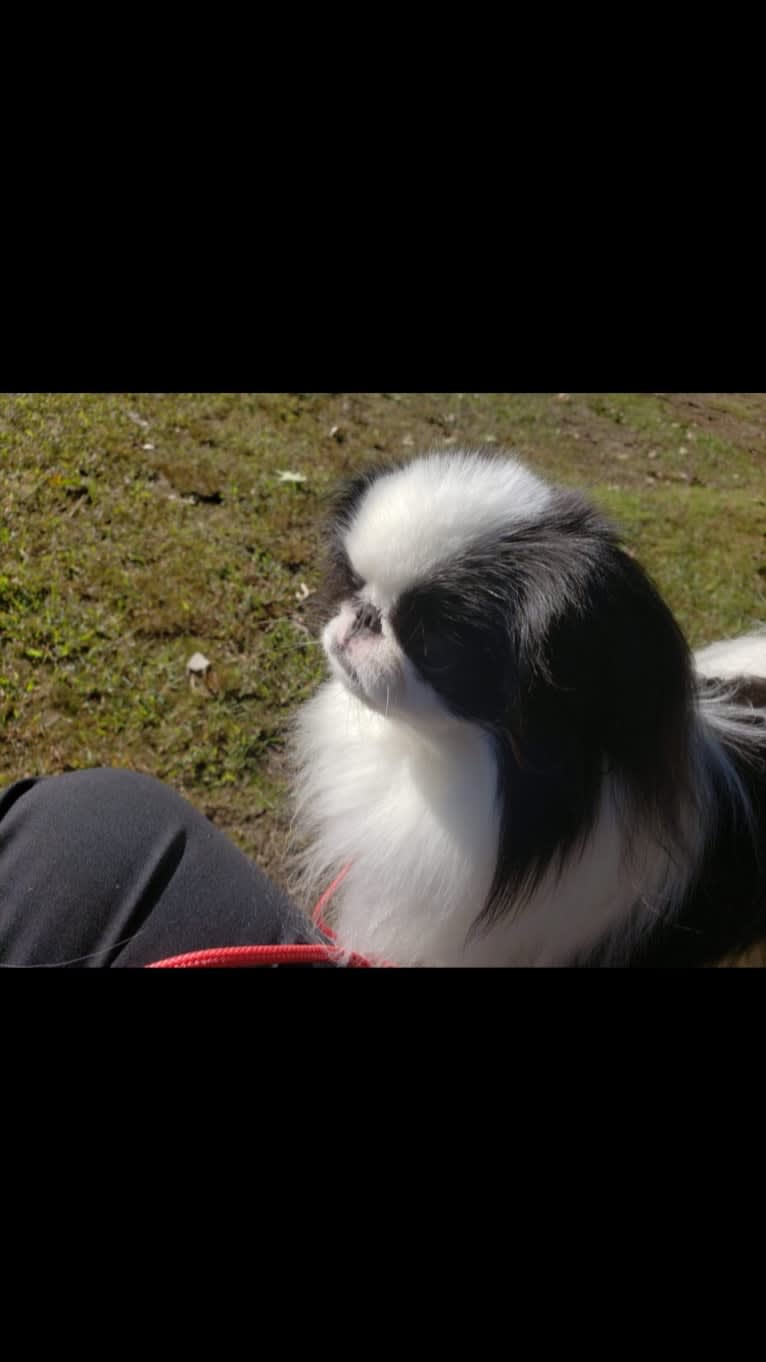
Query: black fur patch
point(724, 912)
point(340, 581)
point(749, 690)
point(556, 641)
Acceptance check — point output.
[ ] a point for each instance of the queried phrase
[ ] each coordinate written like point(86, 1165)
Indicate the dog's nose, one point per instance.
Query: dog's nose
point(368, 617)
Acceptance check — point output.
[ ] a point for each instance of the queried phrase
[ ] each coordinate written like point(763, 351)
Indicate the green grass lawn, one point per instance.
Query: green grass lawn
point(136, 529)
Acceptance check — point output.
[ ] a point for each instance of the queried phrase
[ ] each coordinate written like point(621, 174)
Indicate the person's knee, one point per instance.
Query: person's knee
point(116, 867)
point(84, 856)
point(101, 801)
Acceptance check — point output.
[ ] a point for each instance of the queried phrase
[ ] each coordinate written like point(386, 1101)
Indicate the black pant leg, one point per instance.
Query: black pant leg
point(112, 868)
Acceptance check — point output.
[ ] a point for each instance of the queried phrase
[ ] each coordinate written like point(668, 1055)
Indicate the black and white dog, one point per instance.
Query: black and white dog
point(515, 760)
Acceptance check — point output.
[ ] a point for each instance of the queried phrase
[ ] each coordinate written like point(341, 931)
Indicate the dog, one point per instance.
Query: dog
point(516, 760)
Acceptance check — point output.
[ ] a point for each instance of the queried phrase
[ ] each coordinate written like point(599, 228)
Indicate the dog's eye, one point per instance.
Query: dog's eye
point(427, 645)
point(423, 627)
point(433, 651)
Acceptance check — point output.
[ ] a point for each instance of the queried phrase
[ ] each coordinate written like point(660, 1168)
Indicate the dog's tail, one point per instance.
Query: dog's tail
point(734, 657)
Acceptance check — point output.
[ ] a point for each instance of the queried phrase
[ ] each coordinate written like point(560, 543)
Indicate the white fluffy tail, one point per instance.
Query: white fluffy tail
point(744, 656)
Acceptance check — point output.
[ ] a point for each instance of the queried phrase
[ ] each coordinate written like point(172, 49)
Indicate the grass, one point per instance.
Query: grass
point(136, 529)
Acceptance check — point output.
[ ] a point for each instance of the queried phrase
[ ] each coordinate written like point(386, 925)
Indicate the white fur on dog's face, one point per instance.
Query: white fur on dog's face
point(409, 523)
point(374, 667)
point(415, 519)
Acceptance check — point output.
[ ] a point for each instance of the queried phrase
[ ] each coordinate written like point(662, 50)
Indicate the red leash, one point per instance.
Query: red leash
point(245, 957)
point(316, 916)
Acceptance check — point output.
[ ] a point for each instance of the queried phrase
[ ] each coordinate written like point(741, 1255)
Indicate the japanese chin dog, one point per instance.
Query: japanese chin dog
point(516, 759)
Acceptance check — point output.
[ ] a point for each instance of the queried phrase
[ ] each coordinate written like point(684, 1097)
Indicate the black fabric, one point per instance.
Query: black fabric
point(108, 868)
